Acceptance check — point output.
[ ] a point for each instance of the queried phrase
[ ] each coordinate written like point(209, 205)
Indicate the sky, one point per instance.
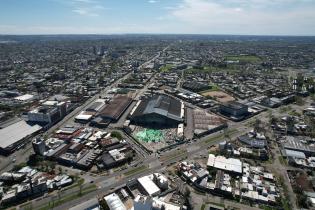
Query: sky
point(239, 17)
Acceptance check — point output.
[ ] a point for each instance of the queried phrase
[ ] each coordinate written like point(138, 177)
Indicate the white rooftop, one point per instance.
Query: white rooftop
point(223, 163)
point(16, 132)
point(25, 97)
point(149, 186)
point(83, 116)
point(114, 202)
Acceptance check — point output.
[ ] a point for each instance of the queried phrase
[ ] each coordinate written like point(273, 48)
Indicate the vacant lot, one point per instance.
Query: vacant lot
point(219, 96)
point(243, 58)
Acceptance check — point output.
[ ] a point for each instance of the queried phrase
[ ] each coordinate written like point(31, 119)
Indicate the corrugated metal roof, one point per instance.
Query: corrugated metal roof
point(114, 202)
point(292, 153)
point(162, 105)
point(116, 107)
point(16, 132)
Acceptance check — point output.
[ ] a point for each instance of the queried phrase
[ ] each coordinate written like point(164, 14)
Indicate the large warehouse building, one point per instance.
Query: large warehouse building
point(235, 110)
point(15, 135)
point(116, 107)
point(158, 110)
point(231, 165)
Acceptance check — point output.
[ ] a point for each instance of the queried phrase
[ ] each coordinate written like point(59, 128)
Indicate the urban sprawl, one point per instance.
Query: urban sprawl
point(157, 122)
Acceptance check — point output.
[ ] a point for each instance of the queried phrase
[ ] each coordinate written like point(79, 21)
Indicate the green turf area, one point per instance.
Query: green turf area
point(203, 207)
point(166, 68)
point(136, 170)
point(204, 69)
point(282, 160)
point(213, 87)
point(210, 69)
point(150, 135)
point(243, 58)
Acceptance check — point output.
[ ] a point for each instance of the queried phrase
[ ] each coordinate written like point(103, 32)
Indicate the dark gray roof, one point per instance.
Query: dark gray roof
point(292, 153)
point(107, 159)
point(295, 143)
point(252, 142)
point(162, 105)
point(235, 105)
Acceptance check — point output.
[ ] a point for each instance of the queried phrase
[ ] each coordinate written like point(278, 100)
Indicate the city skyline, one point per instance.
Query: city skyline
point(239, 17)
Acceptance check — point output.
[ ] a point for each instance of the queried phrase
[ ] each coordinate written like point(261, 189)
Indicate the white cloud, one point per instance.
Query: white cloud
point(152, 1)
point(90, 8)
point(80, 11)
point(244, 17)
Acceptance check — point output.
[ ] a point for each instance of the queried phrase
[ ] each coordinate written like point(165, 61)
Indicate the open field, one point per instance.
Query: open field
point(166, 68)
point(209, 69)
point(243, 58)
point(218, 96)
point(213, 87)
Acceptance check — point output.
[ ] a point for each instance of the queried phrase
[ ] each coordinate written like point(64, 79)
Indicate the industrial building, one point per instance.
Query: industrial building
point(234, 110)
point(48, 113)
point(149, 186)
point(158, 111)
point(231, 165)
point(116, 107)
point(96, 106)
point(115, 155)
point(113, 202)
point(88, 114)
point(253, 141)
point(298, 144)
point(15, 135)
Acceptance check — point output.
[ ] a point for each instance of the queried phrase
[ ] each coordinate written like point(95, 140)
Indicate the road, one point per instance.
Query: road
point(22, 155)
point(109, 183)
point(152, 162)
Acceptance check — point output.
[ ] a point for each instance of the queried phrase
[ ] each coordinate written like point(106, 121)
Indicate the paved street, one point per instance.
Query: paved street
point(110, 182)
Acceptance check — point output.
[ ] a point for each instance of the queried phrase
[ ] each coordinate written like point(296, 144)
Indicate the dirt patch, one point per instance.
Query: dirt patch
point(300, 180)
point(219, 96)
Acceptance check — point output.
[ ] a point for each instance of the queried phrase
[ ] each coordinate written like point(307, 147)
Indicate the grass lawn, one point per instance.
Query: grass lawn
point(166, 68)
point(285, 109)
point(214, 87)
point(136, 170)
point(203, 207)
point(209, 69)
point(243, 58)
point(282, 160)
